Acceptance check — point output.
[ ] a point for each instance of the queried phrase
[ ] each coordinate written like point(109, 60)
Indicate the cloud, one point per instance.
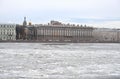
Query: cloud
point(107, 24)
point(78, 11)
point(94, 19)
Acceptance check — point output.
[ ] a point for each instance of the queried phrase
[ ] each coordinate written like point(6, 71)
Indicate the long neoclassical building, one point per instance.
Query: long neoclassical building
point(58, 32)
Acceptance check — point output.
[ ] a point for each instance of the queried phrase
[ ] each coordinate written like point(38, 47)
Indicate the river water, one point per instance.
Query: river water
point(59, 61)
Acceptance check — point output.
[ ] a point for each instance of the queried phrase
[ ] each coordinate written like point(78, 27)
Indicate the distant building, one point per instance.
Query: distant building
point(55, 22)
point(106, 35)
point(56, 31)
point(60, 33)
point(118, 35)
point(21, 30)
point(7, 32)
point(31, 33)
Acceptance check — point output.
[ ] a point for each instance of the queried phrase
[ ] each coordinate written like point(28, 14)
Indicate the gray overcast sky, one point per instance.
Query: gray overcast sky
point(98, 13)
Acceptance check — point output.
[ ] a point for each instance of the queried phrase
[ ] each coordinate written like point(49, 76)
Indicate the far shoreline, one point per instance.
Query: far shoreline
point(37, 41)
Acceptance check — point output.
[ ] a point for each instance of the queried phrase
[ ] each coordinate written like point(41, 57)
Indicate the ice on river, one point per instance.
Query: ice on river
point(59, 61)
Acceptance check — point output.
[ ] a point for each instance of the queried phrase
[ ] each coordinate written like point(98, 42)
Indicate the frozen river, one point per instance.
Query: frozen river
point(64, 61)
